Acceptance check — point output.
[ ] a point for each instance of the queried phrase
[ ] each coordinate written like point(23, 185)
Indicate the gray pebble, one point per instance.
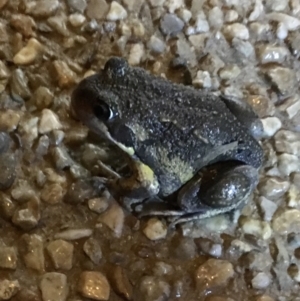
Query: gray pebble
point(171, 25)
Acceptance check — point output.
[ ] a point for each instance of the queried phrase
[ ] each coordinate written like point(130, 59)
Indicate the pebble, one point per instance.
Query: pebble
point(287, 222)
point(293, 196)
point(287, 142)
point(185, 15)
point(257, 11)
point(229, 72)
point(94, 285)
point(202, 79)
point(44, 8)
point(23, 24)
point(152, 288)
point(281, 31)
point(211, 63)
point(136, 53)
point(156, 45)
point(49, 121)
point(54, 287)
point(291, 106)
point(216, 17)
point(213, 273)
point(120, 283)
point(22, 191)
point(59, 24)
point(288, 163)
point(173, 5)
point(243, 47)
point(113, 218)
point(61, 254)
point(155, 3)
point(270, 126)
point(236, 30)
point(171, 25)
point(268, 208)
point(273, 188)
point(7, 207)
point(76, 19)
point(272, 54)
point(8, 258)
point(9, 120)
point(260, 281)
point(8, 288)
point(257, 228)
point(276, 5)
point(98, 9)
point(98, 205)
point(231, 16)
point(34, 255)
point(93, 250)
point(28, 215)
point(65, 76)
point(155, 229)
point(73, 234)
point(291, 23)
point(161, 268)
point(19, 85)
point(61, 157)
point(116, 12)
point(77, 5)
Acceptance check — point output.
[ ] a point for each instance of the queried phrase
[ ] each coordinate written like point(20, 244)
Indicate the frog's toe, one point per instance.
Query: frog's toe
point(231, 188)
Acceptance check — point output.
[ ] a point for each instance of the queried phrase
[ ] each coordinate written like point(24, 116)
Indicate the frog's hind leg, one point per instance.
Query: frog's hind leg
point(220, 188)
point(245, 114)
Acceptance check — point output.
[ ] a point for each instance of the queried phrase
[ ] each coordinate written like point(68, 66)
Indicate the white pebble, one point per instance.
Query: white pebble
point(116, 12)
point(136, 53)
point(260, 281)
point(236, 30)
point(76, 19)
point(155, 229)
point(73, 234)
point(28, 53)
point(49, 121)
point(281, 31)
point(268, 208)
point(290, 22)
point(257, 228)
point(288, 163)
point(231, 16)
point(202, 80)
point(258, 9)
point(216, 17)
point(271, 125)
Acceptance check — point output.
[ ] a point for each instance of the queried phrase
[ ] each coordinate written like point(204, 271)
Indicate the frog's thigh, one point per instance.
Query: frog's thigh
point(219, 188)
point(245, 114)
point(141, 184)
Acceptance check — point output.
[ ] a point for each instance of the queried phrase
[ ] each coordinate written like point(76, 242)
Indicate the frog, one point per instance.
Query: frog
point(192, 154)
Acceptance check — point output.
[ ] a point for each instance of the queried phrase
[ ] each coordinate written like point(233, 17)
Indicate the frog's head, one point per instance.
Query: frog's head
point(96, 103)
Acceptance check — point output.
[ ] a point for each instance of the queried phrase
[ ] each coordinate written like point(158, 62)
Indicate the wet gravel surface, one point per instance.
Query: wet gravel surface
point(62, 236)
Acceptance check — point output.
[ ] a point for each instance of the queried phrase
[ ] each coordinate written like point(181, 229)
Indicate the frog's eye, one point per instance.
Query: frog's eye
point(103, 112)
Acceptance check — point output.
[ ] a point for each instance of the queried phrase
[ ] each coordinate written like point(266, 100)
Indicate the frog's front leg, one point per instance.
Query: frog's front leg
point(140, 185)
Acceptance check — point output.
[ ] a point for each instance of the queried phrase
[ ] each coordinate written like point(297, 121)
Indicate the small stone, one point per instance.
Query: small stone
point(34, 256)
point(98, 205)
point(7, 207)
point(257, 228)
point(231, 16)
point(121, 283)
point(136, 53)
point(28, 130)
point(185, 15)
point(287, 142)
point(291, 23)
point(61, 157)
point(268, 208)
point(97, 9)
point(185, 52)
point(94, 285)
point(161, 268)
point(66, 77)
point(211, 63)
point(293, 196)
point(229, 72)
point(273, 54)
point(77, 5)
point(156, 45)
point(22, 191)
point(270, 126)
point(261, 281)
point(8, 258)
point(42, 97)
point(291, 106)
point(257, 11)
point(113, 218)
point(23, 24)
point(61, 254)
point(259, 31)
point(116, 12)
point(54, 287)
point(202, 79)
point(213, 273)
point(276, 5)
point(171, 25)
point(77, 19)
point(19, 85)
point(243, 47)
point(156, 3)
point(152, 288)
point(28, 215)
point(281, 31)
point(8, 288)
point(173, 5)
point(44, 8)
point(236, 30)
point(49, 121)
point(155, 229)
point(93, 250)
point(216, 17)
point(73, 234)
point(273, 188)
point(287, 222)
point(59, 24)
point(288, 163)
